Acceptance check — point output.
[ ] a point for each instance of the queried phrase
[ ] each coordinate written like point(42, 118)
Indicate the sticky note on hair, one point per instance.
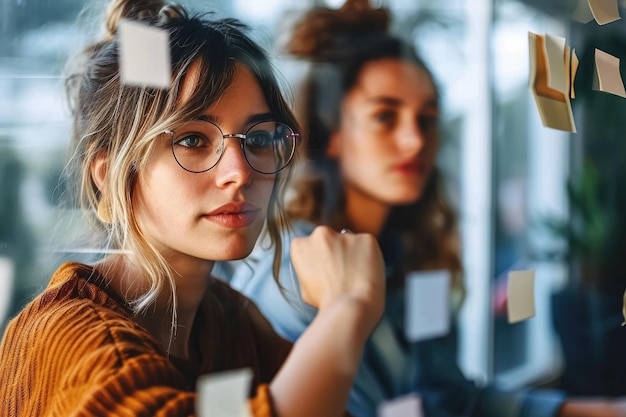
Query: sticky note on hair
point(604, 11)
point(144, 55)
point(427, 305)
point(224, 394)
point(606, 75)
point(407, 405)
point(521, 296)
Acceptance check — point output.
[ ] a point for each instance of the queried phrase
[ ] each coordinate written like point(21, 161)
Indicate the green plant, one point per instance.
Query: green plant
point(592, 226)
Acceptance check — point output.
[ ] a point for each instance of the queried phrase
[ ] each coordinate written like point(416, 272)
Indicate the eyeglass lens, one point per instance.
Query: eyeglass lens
point(268, 146)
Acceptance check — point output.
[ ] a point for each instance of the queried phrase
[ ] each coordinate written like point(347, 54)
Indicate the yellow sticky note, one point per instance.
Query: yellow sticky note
point(574, 70)
point(549, 68)
point(607, 77)
point(520, 296)
point(604, 11)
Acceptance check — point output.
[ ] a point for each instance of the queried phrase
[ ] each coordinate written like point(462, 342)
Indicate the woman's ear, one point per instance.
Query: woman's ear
point(99, 168)
point(333, 148)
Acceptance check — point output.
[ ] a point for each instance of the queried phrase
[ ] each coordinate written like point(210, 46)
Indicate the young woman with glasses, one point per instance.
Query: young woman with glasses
point(175, 179)
point(371, 108)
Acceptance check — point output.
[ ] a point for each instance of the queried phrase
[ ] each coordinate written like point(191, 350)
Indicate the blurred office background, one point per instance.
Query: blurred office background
point(528, 197)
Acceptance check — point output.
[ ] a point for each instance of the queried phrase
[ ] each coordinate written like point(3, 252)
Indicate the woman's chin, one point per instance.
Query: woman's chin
point(235, 254)
point(405, 198)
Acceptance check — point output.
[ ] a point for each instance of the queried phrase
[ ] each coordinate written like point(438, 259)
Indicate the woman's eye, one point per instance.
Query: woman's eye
point(259, 139)
point(386, 117)
point(191, 141)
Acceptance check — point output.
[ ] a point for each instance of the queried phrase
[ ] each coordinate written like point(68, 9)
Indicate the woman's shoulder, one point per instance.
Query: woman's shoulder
point(75, 283)
point(74, 340)
point(75, 310)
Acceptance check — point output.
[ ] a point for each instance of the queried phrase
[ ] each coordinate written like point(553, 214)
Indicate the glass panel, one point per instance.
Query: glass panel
point(578, 291)
point(531, 166)
point(34, 35)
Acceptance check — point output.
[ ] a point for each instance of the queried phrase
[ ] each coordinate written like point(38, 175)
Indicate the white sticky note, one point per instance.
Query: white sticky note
point(554, 106)
point(405, 406)
point(557, 74)
point(427, 305)
point(521, 296)
point(582, 12)
point(606, 76)
point(144, 55)
point(7, 276)
point(224, 394)
point(604, 11)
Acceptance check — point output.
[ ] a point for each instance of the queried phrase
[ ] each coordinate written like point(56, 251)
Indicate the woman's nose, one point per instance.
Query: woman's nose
point(233, 168)
point(411, 137)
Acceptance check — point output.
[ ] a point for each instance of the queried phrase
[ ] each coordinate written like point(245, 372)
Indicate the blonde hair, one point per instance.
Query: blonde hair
point(123, 122)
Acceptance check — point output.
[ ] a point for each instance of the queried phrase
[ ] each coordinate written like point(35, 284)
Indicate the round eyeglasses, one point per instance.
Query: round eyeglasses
point(267, 146)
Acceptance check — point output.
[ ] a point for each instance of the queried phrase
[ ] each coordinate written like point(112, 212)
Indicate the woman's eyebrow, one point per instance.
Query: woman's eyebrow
point(396, 102)
point(261, 117)
point(208, 118)
point(390, 101)
point(255, 118)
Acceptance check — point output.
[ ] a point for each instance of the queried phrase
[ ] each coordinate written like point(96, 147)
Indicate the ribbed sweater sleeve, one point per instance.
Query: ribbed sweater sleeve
point(75, 352)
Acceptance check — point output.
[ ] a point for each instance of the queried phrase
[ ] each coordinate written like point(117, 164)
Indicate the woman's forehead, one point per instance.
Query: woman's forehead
point(394, 78)
point(393, 71)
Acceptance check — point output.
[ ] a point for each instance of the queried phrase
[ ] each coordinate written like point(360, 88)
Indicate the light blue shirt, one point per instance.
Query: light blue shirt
point(391, 366)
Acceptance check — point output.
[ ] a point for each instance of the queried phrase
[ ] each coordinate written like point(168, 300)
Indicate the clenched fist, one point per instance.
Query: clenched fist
point(335, 267)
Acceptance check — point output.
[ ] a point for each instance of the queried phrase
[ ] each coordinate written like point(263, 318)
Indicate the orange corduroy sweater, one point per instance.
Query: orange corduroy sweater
point(77, 351)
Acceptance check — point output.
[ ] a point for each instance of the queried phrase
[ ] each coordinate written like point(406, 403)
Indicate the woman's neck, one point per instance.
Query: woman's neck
point(191, 285)
point(364, 213)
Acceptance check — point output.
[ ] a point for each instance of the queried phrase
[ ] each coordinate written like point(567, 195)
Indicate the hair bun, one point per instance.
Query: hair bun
point(171, 12)
point(318, 31)
point(144, 10)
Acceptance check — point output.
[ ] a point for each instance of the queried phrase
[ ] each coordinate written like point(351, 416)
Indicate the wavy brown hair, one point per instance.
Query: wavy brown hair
point(338, 43)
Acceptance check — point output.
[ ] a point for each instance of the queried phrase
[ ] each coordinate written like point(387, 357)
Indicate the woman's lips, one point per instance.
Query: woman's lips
point(233, 220)
point(234, 215)
point(410, 168)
